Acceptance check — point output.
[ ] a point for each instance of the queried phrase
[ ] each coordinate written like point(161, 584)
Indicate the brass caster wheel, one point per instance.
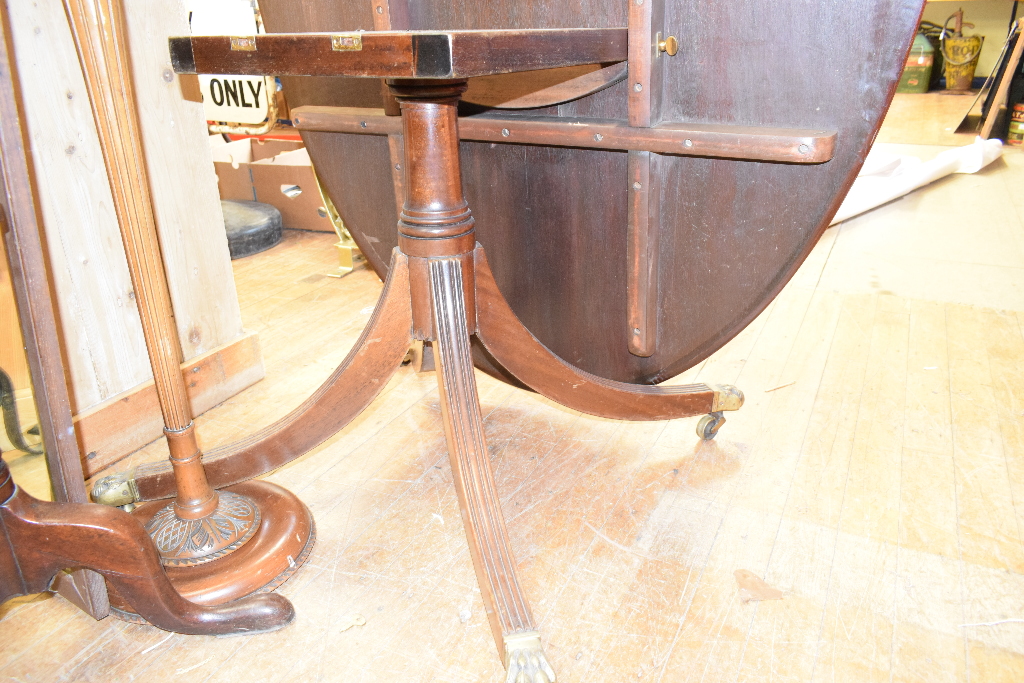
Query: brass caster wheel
point(709, 425)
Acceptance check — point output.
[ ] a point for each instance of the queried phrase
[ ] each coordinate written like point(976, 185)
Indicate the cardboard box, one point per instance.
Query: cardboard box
point(232, 160)
point(287, 182)
point(275, 172)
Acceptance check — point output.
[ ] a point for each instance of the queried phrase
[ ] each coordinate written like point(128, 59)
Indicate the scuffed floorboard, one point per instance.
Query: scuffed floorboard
point(875, 476)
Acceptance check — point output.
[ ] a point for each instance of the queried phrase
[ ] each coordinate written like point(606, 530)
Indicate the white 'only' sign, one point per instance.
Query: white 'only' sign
point(232, 99)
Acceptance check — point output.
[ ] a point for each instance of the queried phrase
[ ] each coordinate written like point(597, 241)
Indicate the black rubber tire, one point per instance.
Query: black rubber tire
point(252, 227)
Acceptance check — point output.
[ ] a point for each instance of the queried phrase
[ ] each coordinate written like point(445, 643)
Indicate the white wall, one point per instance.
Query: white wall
point(991, 18)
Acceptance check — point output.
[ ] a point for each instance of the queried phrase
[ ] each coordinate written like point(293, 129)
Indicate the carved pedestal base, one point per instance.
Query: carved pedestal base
point(279, 546)
point(186, 542)
point(39, 538)
point(441, 289)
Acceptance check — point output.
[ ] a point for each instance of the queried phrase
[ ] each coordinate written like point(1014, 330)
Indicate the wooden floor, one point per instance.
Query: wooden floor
point(931, 118)
point(875, 476)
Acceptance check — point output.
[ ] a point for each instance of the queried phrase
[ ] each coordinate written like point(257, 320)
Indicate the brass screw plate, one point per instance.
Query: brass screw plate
point(346, 41)
point(244, 43)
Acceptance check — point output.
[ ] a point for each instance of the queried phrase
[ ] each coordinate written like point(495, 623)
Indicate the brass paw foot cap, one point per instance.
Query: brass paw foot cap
point(116, 489)
point(524, 659)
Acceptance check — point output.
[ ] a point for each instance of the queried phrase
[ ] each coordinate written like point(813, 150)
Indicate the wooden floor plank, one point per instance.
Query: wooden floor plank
point(859, 616)
point(713, 629)
point(989, 534)
point(802, 554)
point(875, 476)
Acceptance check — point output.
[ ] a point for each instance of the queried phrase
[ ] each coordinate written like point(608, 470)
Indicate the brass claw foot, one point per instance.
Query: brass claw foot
point(525, 660)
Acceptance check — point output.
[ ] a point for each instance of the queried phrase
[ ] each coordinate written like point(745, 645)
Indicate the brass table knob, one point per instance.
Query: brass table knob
point(669, 45)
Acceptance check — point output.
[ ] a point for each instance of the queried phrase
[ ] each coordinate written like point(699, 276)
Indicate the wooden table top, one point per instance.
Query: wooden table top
point(398, 54)
point(728, 159)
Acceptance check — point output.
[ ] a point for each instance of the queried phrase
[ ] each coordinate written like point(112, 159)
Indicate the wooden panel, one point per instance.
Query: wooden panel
point(478, 54)
point(510, 15)
point(535, 89)
point(587, 216)
point(737, 231)
point(183, 185)
point(99, 322)
point(390, 14)
point(101, 330)
point(128, 421)
point(732, 142)
point(347, 158)
point(23, 244)
point(732, 232)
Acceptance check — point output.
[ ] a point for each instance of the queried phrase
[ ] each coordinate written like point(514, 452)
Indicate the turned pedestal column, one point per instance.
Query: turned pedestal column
point(436, 232)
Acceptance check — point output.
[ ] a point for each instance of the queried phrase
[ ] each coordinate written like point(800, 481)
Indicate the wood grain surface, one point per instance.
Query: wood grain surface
point(101, 38)
point(553, 220)
point(128, 421)
point(407, 54)
point(100, 326)
point(890, 554)
point(732, 142)
point(515, 349)
point(351, 387)
point(42, 538)
point(23, 244)
point(505, 602)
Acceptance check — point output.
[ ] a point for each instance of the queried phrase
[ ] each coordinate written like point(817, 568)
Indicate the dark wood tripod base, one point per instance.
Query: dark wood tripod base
point(441, 289)
point(462, 299)
point(281, 544)
point(38, 539)
point(453, 295)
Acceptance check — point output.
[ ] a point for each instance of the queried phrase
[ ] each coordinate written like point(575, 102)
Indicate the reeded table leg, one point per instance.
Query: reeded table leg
point(532, 363)
point(506, 606)
point(436, 231)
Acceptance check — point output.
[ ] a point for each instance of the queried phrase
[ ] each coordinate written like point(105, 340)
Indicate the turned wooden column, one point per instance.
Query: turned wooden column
point(216, 546)
point(211, 527)
point(436, 230)
point(434, 207)
point(435, 220)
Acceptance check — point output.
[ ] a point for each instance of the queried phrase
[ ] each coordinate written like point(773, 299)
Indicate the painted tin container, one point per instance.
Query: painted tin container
point(917, 72)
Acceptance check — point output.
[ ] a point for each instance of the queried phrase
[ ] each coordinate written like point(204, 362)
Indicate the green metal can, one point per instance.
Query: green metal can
point(917, 72)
